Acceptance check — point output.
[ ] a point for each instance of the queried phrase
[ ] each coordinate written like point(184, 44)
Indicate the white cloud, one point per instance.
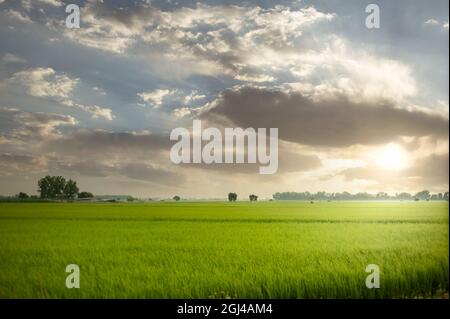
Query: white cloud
point(18, 15)
point(55, 3)
point(98, 111)
point(30, 4)
point(182, 112)
point(193, 96)
point(355, 73)
point(99, 90)
point(31, 126)
point(256, 78)
point(432, 22)
point(45, 82)
point(155, 97)
point(435, 22)
point(227, 34)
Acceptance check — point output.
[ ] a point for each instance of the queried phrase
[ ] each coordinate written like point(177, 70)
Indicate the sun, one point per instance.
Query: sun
point(391, 157)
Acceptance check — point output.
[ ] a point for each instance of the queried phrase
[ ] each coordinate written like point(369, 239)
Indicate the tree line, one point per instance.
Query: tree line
point(232, 197)
point(55, 187)
point(422, 195)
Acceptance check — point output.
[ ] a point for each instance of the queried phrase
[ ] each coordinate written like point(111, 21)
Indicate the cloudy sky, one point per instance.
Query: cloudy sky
point(357, 109)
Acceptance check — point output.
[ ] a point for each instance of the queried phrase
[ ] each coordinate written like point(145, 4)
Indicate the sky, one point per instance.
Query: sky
point(357, 109)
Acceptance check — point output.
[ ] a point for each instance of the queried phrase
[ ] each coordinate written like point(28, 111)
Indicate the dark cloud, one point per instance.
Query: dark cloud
point(85, 152)
point(289, 160)
point(142, 157)
point(84, 167)
point(134, 170)
point(432, 170)
point(151, 173)
point(21, 162)
point(333, 122)
point(96, 147)
point(92, 143)
point(127, 15)
point(23, 125)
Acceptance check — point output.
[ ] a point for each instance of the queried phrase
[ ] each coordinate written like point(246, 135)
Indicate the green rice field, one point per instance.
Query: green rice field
point(224, 250)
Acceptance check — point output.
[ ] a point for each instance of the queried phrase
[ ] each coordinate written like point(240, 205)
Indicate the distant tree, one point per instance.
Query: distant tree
point(362, 196)
point(176, 198)
point(382, 195)
point(423, 195)
point(22, 195)
point(85, 195)
point(56, 187)
point(70, 189)
point(58, 184)
point(292, 196)
point(404, 196)
point(51, 186)
point(343, 196)
point(45, 186)
point(253, 197)
point(322, 196)
point(130, 199)
point(232, 197)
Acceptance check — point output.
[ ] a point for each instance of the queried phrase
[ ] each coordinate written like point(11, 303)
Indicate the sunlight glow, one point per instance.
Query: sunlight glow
point(391, 157)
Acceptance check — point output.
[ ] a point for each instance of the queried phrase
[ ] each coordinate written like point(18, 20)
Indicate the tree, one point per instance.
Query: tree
point(404, 196)
point(70, 189)
point(253, 198)
point(130, 198)
point(382, 195)
point(58, 184)
point(423, 195)
point(22, 195)
point(176, 198)
point(45, 185)
point(85, 195)
point(232, 197)
point(55, 187)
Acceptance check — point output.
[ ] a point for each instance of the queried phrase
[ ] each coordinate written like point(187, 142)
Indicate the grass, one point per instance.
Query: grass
point(218, 250)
